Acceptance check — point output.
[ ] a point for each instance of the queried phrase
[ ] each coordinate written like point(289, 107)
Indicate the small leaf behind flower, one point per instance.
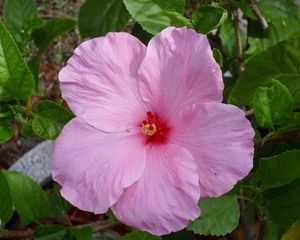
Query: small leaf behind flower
point(219, 216)
point(50, 119)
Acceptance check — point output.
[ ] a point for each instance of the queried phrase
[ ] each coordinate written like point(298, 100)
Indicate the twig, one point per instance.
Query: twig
point(239, 49)
point(290, 135)
point(248, 228)
point(96, 226)
point(258, 14)
point(249, 113)
point(15, 234)
point(101, 225)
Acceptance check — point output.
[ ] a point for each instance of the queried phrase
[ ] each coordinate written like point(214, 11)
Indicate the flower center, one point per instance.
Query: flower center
point(152, 127)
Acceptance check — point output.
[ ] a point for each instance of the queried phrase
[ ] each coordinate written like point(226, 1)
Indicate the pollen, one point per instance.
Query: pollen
point(148, 129)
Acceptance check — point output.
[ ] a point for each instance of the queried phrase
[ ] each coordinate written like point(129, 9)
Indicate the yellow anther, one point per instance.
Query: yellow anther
point(148, 130)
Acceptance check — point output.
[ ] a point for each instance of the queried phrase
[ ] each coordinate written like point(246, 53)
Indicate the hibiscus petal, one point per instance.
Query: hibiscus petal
point(179, 70)
point(220, 139)
point(165, 198)
point(94, 167)
point(99, 82)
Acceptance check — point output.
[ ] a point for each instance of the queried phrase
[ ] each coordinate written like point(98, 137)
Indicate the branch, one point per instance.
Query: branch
point(258, 14)
point(239, 49)
point(249, 113)
point(15, 234)
point(288, 136)
point(96, 226)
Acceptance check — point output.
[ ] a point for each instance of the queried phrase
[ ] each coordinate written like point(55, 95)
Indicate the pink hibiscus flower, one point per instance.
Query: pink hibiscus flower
point(150, 134)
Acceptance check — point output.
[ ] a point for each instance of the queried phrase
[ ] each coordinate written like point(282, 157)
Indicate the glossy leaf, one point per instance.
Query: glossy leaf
point(27, 131)
point(96, 18)
point(82, 233)
point(58, 204)
point(177, 19)
point(20, 17)
point(207, 18)
point(150, 14)
point(177, 5)
point(272, 105)
point(219, 216)
point(284, 204)
point(273, 231)
point(16, 81)
point(281, 62)
point(218, 56)
point(49, 119)
point(52, 29)
point(6, 131)
point(28, 198)
point(6, 207)
point(279, 170)
point(228, 41)
point(50, 232)
point(279, 30)
point(34, 66)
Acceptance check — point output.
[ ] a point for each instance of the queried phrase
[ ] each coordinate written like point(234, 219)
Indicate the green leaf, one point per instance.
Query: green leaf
point(16, 81)
point(271, 9)
point(281, 62)
point(227, 36)
point(52, 29)
point(149, 14)
point(50, 232)
point(177, 19)
point(262, 108)
point(34, 66)
point(83, 233)
point(20, 17)
point(59, 205)
point(28, 197)
point(6, 131)
point(27, 130)
point(293, 233)
point(218, 56)
point(283, 206)
point(279, 170)
point(96, 18)
point(207, 18)
point(279, 30)
point(49, 119)
point(273, 231)
point(272, 105)
point(177, 5)
point(139, 235)
point(6, 207)
point(219, 216)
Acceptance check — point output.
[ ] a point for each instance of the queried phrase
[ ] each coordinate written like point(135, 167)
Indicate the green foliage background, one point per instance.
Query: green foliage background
point(257, 44)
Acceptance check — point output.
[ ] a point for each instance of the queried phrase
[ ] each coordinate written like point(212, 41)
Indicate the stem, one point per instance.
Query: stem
point(258, 14)
point(101, 225)
point(249, 112)
point(248, 228)
point(241, 197)
point(290, 135)
point(28, 109)
point(96, 226)
point(239, 49)
point(67, 220)
point(15, 234)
